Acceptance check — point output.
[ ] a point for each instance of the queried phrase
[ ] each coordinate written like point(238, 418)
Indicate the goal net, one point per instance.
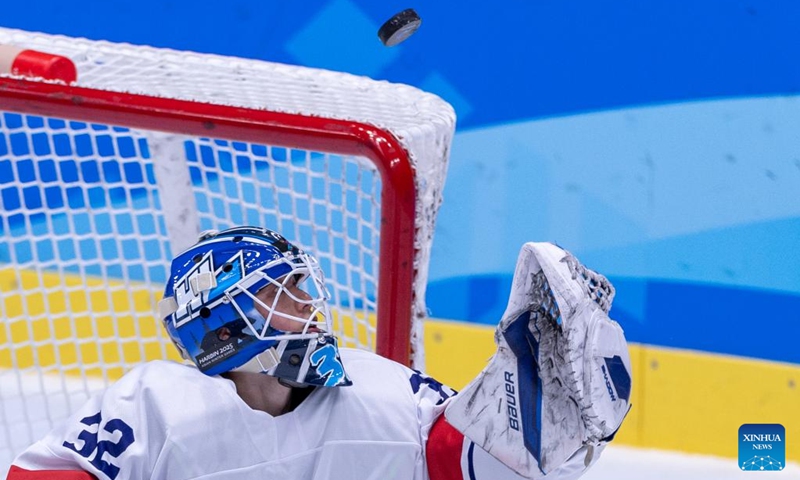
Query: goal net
point(102, 181)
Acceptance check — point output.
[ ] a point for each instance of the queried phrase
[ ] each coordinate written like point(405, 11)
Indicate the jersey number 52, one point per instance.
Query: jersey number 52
point(92, 446)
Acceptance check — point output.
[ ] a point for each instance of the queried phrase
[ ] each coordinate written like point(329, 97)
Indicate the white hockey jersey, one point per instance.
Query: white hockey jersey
point(168, 421)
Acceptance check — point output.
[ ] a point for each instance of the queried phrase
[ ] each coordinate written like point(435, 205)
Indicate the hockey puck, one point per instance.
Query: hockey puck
point(399, 27)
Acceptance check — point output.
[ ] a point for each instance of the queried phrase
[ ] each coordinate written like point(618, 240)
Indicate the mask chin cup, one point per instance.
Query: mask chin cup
point(311, 362)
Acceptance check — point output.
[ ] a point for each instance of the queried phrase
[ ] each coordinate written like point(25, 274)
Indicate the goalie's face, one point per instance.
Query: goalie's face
point(295, 303)
point(291, 306)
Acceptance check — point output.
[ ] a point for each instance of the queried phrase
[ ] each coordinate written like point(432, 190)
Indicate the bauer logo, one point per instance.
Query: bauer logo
point(762, 447)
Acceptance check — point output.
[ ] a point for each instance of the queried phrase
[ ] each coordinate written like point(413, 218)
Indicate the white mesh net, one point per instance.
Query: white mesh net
point(92, 213)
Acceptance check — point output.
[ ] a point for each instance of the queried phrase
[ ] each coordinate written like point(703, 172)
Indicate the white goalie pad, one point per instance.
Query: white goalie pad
point(561, 376)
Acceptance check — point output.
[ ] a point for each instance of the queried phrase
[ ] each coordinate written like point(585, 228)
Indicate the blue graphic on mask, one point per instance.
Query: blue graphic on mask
point(328, 365)
point(230, 274)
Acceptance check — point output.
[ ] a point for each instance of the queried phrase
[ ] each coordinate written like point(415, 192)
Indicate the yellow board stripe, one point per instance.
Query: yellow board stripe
point(696, 402)
point(62, 322)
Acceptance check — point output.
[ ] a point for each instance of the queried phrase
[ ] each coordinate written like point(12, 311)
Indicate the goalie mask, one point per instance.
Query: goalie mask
point(246, 299)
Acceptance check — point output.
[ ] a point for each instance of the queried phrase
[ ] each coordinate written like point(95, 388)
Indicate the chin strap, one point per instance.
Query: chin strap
point(261, 363)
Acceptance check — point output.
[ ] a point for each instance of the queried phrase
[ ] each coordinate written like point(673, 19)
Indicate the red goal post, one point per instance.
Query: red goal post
point(160, 145)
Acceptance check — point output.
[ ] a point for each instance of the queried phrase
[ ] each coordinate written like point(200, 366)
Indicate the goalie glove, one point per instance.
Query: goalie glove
point(560, 379)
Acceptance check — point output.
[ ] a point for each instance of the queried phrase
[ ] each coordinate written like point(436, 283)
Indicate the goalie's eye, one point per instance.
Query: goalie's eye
point(267, 293)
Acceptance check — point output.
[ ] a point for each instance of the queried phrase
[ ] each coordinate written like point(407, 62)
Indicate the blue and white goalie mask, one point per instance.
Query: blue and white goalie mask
point(245, 299)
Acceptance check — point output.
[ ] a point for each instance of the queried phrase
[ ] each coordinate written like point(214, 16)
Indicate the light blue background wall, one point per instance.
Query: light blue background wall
point(659, 141)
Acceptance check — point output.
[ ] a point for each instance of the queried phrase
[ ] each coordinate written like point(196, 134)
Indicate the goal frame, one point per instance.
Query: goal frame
point(398, 193)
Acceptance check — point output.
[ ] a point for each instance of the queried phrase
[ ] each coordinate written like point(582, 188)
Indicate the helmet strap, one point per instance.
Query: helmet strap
point(261, 363)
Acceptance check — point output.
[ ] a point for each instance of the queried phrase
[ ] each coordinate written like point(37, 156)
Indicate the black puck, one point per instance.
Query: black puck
point(399, 27)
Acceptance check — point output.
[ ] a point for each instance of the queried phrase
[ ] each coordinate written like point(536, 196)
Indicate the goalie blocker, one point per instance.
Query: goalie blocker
point(559, 385)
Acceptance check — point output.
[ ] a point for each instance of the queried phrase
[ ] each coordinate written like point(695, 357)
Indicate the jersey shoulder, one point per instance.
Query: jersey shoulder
point(171, 391)
point(370, 371)
point(359, 355)
point(168, 375)
point(365, 367)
